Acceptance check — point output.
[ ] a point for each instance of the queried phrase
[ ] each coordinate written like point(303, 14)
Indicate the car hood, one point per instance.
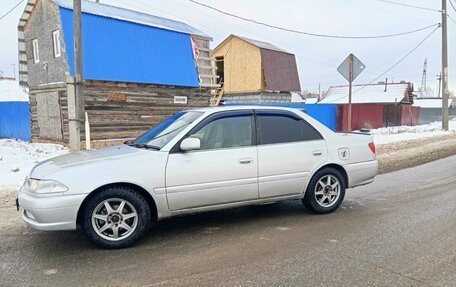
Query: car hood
point(86, 157)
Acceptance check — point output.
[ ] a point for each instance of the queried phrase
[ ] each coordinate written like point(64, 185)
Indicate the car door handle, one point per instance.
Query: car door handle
point(317, 152)
point(245, 160)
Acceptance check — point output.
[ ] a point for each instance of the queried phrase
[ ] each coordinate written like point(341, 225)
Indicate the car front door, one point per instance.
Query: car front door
point(224, 169)
point(289, 149)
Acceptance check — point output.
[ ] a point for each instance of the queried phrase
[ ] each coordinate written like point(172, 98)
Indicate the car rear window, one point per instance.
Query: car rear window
point(284, 128)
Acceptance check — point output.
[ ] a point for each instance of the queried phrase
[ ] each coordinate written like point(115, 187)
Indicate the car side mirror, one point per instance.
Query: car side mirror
point(189, 144)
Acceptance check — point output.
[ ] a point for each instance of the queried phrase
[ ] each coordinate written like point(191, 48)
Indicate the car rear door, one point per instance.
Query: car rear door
point(289, 149)
point(224, 170)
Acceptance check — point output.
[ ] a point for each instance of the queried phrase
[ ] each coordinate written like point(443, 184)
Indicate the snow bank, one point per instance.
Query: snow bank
point(10, 91)
point(403, 133)
point(17, 159)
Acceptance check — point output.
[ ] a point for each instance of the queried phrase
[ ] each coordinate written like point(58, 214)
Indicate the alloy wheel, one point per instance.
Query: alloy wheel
point(114, 219)
point(327, 191)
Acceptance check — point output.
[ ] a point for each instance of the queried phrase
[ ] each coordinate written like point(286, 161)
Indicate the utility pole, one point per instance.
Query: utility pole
point(439, 78)
point(319, 91)
point(350, 80)
point(75, 98)
point(445, 92)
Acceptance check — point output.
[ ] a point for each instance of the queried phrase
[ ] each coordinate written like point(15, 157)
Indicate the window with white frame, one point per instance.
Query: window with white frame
point(36, 51)
point(56, 42)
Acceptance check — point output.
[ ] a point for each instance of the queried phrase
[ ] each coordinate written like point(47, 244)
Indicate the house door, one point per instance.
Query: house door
point(49, 116)
point(220, 64)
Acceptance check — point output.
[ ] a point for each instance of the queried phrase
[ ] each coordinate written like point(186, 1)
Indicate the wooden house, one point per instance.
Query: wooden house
point(138, 68)
point(253, 71)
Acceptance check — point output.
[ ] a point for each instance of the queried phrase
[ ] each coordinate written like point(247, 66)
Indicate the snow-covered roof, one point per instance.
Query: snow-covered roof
point(10, 91)
point(109, 11)
point(311, 100)
point(262, 45)
point(363, 94)
point(297, 97)
point(430, 103)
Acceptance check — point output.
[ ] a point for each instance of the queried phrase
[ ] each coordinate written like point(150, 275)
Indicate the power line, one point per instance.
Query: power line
point(410, 6)
point(393, 66)
point(454, 8)
point(452, 5)
point(309, 33)
point(218, 30)
point(402, 59)
point(11, 10)
point(451, 18)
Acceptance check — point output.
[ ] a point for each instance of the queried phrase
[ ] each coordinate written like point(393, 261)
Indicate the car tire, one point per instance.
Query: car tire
point(325, 192)
point(116, 217)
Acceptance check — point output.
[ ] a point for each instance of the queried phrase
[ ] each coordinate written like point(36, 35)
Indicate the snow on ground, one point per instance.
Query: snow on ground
point(10, 91)
point(17, 159)
point(403, 133)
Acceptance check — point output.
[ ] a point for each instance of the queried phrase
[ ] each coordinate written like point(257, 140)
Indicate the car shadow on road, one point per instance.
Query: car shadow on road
point(240, 220)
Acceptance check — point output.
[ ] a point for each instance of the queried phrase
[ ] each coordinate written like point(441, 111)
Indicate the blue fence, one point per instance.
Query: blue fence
point(324, 113)
point(15, 120)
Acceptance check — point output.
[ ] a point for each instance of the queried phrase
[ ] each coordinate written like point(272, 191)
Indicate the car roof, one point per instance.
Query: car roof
point(242, 107)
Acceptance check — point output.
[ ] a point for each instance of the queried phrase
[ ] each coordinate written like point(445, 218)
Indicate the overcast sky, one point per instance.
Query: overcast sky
point(317, 58)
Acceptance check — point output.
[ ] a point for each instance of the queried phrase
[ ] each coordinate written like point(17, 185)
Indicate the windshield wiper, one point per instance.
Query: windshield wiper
point(142, 145)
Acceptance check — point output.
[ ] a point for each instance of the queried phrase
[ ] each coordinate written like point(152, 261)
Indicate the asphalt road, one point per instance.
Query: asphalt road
point(398, 231)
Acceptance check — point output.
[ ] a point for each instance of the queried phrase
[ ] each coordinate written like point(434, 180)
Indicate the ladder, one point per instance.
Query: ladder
point(218, 95)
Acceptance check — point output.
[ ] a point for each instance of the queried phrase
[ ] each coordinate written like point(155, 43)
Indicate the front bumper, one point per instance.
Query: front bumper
point(50, 213)
point(361, 173)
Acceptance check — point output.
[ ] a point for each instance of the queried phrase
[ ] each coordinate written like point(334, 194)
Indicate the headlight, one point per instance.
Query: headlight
point(42, 186)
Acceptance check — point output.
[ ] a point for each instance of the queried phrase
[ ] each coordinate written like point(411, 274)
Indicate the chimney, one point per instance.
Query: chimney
point(386, 84)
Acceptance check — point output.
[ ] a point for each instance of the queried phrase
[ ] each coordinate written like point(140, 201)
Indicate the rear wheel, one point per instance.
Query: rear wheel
point(116, 217)
point(325, 191)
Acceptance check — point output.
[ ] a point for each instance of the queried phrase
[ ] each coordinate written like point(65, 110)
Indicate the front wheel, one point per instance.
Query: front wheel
point(116, 217)
point(325, 191)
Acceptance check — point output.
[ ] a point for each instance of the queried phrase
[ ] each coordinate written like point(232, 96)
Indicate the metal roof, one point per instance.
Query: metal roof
point(116, 50)
point(363, 94)
point(262, 45)
point(280, 71)
point(118, 13)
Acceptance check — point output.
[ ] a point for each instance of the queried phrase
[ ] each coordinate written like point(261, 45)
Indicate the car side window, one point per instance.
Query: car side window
point(309, 133)
point(225, 132)
point(284, 128)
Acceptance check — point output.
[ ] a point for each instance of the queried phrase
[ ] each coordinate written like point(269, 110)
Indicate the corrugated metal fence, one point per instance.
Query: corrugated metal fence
point(15, 120)
point(374, 116)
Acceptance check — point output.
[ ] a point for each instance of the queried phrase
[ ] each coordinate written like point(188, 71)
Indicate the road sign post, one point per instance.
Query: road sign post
point(445, 92)
point(350, 69)
point(350, 80)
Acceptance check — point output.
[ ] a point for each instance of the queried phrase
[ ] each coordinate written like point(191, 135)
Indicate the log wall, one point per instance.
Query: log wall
point(122, 110)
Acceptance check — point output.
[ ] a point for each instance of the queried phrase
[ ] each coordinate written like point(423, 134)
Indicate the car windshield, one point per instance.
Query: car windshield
point(163, 133)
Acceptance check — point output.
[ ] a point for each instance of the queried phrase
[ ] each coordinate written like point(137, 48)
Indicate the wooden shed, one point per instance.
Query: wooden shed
point(251, 67)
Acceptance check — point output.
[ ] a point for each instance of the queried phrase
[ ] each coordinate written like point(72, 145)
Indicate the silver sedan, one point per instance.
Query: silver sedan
point(197, 160)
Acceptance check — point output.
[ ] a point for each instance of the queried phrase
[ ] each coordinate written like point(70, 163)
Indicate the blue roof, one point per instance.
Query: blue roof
point(116, 50)
point(109, 11)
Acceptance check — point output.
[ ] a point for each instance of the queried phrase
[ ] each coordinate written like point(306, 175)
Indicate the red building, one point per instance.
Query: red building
point(374, 106)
